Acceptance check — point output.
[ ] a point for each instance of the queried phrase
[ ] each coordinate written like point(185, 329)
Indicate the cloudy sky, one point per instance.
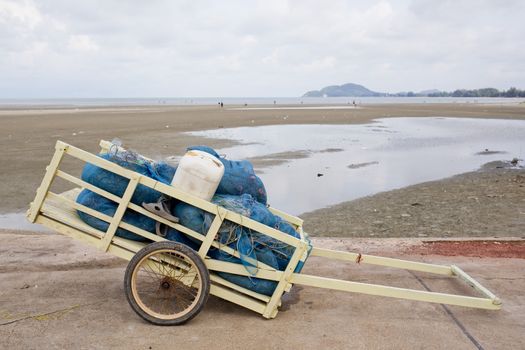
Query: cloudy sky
point(64, 48)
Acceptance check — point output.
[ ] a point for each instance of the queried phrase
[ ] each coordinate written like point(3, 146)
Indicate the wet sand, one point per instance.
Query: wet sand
point(489, 202)
point(28, 137)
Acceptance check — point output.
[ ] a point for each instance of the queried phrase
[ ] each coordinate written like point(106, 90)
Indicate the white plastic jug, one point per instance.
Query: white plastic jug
point(199, 174)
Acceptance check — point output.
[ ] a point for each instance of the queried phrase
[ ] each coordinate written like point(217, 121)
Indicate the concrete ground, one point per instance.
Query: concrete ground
point(58, 293)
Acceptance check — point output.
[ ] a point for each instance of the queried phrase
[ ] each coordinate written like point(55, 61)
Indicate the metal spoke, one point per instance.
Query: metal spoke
point(166, 284)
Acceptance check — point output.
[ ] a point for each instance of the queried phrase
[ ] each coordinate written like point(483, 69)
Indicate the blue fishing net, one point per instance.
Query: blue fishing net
point(117, 184)
point(252, 246)
point(239, 177)
point(108, 207)
point(240, 190)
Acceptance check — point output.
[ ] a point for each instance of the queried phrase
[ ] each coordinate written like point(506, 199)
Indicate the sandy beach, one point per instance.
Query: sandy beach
point(489, 202)
point(54, 286)
point(28, 136)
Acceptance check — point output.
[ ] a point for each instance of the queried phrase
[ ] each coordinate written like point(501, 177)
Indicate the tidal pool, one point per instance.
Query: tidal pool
point(338, 163)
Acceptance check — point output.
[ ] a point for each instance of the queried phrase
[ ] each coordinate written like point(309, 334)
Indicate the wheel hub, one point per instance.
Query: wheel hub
point(165, 284)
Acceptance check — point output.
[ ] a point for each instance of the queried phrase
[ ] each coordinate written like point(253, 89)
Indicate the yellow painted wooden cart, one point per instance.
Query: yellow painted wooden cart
point(168, 283)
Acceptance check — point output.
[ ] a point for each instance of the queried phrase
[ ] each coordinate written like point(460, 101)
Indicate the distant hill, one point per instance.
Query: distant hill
point(345, 90)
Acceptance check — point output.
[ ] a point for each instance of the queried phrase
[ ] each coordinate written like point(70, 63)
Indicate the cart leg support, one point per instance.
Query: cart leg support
point(382, 261)
point(489, 301)
point(393, 292)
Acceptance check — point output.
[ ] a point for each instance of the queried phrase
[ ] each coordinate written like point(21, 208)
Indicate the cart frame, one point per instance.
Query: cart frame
point(58, 212)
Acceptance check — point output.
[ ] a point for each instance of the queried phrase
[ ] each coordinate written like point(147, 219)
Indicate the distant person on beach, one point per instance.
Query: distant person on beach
point(222, 104)
point(353, 102)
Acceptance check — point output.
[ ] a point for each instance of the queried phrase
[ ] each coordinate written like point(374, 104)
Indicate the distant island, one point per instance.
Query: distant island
point(346, 90)
point(356, 90)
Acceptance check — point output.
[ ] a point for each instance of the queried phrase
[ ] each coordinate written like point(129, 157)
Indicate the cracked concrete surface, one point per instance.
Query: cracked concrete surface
point(50, 307)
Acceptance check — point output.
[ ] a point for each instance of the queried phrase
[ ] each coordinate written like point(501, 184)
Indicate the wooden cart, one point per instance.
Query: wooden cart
point(168, 283)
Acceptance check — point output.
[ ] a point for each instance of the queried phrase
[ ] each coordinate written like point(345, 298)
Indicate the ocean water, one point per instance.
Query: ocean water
point(198, 101)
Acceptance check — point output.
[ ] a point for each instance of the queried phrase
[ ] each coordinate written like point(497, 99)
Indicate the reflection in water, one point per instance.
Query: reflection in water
point(397, 151)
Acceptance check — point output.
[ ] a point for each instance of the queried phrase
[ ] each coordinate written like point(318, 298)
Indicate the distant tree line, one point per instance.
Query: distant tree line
point(485, 92)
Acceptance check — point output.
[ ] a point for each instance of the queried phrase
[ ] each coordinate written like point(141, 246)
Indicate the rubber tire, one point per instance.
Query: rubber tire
point(196, 260)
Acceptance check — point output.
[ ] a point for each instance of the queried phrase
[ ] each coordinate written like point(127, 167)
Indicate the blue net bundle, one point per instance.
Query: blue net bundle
point(105, 206)
point(116, 184)
point(240, 190)
point(252, 246)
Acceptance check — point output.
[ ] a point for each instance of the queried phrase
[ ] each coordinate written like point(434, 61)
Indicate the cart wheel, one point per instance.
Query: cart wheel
point(167, 283)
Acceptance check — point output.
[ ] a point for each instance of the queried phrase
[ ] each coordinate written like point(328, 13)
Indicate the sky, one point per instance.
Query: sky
point(168, 48)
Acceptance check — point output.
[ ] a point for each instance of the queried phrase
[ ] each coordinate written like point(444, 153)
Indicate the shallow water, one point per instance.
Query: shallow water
point(345, 162)
point(18, 221)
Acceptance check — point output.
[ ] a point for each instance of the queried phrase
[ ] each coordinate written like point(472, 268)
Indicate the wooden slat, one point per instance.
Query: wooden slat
point(87, 185)
point(271, 308)
point(238, 298)
point(128, 244)
point(211, 234)
point(382, 261)
point(475, 284)
point(214, 244)
point(269, 231)
point(151, 236)
point(215, 278)
point(105, 217)
point(394, 292)
point(238, 269)
point(66, 217)
point(119, 213)
point(199, 236)
point(144, 180)
point(41, 192)
point(73, 233)
point(294, 220)
point(60, 199)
